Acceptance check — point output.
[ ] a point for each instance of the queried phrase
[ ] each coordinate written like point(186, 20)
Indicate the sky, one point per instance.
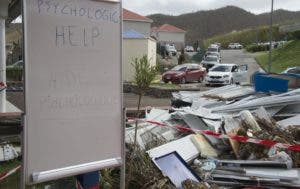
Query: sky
point(177, 7)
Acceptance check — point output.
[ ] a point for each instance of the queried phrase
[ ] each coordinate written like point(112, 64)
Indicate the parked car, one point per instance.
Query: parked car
point(293, 70)
point(214, 54)
point(218, 44)
point(210, 61)
point(213, 48)
point(235, 46)
point(171, 50)
point(226, 74)
point(184, 73)
point(189, 49)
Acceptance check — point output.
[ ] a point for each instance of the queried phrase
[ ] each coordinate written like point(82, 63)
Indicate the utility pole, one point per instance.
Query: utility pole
point(3, 15)
point(271, 31)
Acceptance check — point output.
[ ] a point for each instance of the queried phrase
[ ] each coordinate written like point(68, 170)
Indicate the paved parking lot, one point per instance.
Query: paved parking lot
point(240, 57)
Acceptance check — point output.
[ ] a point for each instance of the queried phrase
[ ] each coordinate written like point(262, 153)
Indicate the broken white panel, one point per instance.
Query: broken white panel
point(7, 152)
point(284, 174)
point(237, 93)
point(233, 92)
point(206, 103)
point(186, 96)
point(290, 110)
point(184, 147)
point(293, 121)
point(230, 123)
point(216, 124)
point(158, 115)
point(206, 150)
point(146, 133)
point(193, 121)
point(274, 110)
point(202, 112)
point(272, 101)
point(220, 90)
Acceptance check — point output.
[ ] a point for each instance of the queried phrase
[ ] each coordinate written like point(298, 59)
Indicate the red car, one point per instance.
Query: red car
point(185, 73)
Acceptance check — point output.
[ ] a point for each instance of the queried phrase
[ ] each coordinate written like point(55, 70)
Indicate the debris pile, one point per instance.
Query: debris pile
point(226, 137)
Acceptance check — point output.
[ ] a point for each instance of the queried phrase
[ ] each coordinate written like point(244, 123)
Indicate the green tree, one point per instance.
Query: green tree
point(143, 77)
point(144, 74)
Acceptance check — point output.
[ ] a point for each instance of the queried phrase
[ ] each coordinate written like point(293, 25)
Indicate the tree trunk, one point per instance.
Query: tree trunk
point(136, 122)
point(134, 143)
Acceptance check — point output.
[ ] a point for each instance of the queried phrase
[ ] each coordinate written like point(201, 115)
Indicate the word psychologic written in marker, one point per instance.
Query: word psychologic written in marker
point(72, 9)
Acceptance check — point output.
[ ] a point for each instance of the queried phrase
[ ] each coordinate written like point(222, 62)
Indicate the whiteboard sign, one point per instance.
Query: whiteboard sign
point(73, 87)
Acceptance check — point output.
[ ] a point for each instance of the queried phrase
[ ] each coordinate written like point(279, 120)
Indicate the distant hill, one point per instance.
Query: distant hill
point(204, 24)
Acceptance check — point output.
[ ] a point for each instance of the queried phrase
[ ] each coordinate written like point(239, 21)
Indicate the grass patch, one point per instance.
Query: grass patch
point(13, 181)
point(282, 58)
point(165, 85)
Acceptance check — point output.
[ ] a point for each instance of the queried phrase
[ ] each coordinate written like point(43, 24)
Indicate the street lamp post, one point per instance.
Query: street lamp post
point(271, 31)
point(3, 15)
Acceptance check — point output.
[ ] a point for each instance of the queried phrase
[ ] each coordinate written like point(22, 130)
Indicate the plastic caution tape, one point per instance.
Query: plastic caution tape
point(268, 143)
point(2, 86)
point(5, 175)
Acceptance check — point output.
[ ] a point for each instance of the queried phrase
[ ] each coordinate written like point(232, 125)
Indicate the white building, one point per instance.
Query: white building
point(136, 42)
point(134, 21)
point(136, 45)
point(169, 34)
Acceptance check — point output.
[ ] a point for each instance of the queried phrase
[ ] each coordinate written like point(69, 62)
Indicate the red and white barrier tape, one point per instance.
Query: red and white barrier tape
point(2, 86)
point(5, 175)
point(268, 143)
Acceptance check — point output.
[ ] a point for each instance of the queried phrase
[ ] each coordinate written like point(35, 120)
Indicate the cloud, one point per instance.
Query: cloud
point(176, 7)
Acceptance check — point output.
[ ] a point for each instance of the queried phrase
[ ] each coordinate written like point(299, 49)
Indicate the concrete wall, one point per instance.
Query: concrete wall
point(141, 27)
point(136, 48)
point(172, 37)
point(152, 51)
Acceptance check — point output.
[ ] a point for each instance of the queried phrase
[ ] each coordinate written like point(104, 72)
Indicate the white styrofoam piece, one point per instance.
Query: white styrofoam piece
point(184, 147)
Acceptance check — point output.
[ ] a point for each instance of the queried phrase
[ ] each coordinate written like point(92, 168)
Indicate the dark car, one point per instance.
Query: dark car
point(185, 73)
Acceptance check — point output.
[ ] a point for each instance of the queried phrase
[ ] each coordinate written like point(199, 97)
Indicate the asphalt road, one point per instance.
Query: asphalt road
point(130, 101)
point(241, 58)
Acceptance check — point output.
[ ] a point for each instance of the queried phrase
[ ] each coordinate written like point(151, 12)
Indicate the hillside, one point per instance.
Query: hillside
point(246, 37)
point(282, 58)
point(204, 24)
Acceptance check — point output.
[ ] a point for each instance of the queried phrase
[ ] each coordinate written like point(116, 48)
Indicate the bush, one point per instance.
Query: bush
point(163, 65)
point(14, 74)
point(296, 34)
point(257, 48)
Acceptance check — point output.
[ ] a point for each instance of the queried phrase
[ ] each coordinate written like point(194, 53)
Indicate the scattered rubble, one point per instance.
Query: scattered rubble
point(226, 137)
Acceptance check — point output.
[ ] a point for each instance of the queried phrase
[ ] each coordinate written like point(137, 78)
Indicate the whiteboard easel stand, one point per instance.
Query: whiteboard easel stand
point(54, 174)
point(3, 15)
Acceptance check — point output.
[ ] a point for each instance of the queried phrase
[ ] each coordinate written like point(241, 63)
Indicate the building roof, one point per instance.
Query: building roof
point(168, 28)
point(132, 34)
point(129, 15)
